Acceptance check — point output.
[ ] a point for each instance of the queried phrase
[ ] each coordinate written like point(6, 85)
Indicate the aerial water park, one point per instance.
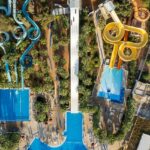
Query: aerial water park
point(15, 102)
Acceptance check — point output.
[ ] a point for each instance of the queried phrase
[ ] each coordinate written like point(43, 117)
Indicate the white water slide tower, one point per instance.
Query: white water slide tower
point(74, 49)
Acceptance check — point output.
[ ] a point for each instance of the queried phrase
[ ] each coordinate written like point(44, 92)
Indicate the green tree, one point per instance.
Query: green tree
point(9, 141)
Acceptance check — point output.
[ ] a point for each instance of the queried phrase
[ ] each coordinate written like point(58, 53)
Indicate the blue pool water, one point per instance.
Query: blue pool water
point(14, 104)
point(111, 85)
point(73, 135)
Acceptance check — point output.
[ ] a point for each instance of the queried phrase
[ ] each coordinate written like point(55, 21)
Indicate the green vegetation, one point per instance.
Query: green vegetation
point(146, 73)
point(9, 141)
point(146, 77)
point(60, 41)
point(146, 3)
point(126, 125)
point(41, 109)
point(123, 9)
point(132, 72)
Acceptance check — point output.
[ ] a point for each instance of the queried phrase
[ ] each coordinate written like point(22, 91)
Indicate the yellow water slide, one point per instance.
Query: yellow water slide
point(113, 34)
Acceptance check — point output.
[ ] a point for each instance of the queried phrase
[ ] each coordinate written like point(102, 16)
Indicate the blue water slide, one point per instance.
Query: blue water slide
point(34, 34)
point(7, 71)
point(21, 26)
point(7, 9)
point(22, 76)
point(4, 40)
point(16, 73)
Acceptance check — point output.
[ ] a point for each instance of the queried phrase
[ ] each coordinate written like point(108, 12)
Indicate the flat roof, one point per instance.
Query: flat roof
point(144, 142)
point(73, 135)
point(14, 104)
point(112, 85)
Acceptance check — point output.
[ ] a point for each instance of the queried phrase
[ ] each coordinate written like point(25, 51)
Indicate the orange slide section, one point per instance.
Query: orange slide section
point(125, 39)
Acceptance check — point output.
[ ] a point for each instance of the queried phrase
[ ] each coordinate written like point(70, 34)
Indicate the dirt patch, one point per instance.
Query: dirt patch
point(66, 57)
point(51, 63)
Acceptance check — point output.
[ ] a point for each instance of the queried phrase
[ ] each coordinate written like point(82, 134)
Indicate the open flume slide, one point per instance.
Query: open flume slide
point(21, 26)
point(7, 9)
point(33, 33)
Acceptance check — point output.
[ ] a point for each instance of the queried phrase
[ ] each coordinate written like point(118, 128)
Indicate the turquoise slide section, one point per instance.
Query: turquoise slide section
point(21, 26)
point(7, 9)
point(34, 34)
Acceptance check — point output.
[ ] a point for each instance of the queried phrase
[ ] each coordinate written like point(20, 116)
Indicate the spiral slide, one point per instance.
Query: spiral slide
point(5, 37)
point(141, 14)
point(119, 29)
point(34, 34)
point(21, 26)
point(123, 45)
point(14, 103)
point(112, 85)
point(7, 9)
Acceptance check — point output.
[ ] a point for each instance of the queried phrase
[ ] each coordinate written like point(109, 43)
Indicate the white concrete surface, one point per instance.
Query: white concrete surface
point(74, 48)
point(144, 142)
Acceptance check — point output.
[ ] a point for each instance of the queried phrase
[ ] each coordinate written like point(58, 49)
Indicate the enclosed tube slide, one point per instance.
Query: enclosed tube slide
point(5, 39)
point(119, 29)
point(7, 9)
point(108, 37)
point(111, 10)
point(21, 26)
point(7, 71)
point(34, 34)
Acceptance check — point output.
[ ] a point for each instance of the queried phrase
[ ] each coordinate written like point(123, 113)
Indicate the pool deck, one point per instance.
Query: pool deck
point(73, 134)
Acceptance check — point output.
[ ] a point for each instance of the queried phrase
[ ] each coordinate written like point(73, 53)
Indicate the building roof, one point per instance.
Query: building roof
point(73, 134)
point(112, 85)
point(14, 104)
point(144, 142)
